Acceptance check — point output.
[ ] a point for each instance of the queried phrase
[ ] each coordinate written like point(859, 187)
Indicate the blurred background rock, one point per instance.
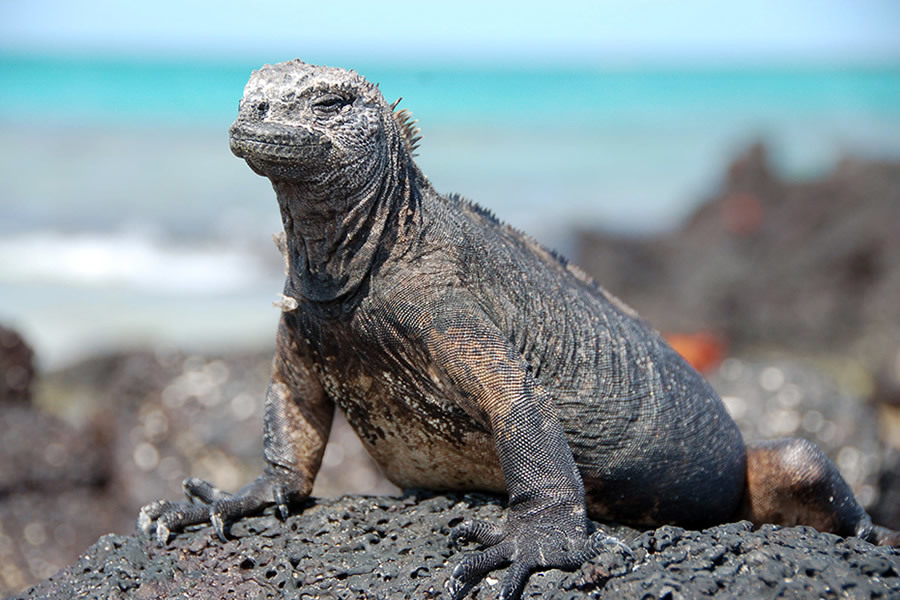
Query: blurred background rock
point(811, 266)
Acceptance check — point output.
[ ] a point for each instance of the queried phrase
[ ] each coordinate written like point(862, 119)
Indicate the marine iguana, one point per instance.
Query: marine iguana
point(467, 356)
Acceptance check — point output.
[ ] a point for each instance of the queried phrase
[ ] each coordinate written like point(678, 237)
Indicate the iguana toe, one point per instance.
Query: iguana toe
point(600, 542)
point(514, 582)
point(885, 537)
point(196, 489)
point(475, 566)
point(281, 501)
point(218, 523)
point(482, 532)
point(177, 516)
point(150, 513)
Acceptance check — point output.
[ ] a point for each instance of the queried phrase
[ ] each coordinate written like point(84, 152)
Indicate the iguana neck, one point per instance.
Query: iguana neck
point(338, 233)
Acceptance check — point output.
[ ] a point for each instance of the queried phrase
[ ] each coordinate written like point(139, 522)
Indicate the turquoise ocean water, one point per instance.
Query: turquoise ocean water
point(124, 220)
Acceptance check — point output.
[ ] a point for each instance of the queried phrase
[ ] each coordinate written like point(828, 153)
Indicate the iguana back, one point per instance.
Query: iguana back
point(637, 417)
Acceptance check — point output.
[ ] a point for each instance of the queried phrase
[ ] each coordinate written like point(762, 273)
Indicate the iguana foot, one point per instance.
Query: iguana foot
point(530, 542)
point(884, 536)
point(207, 503)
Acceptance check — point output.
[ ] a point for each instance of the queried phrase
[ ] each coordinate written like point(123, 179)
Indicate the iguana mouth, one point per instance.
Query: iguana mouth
point(276, 143)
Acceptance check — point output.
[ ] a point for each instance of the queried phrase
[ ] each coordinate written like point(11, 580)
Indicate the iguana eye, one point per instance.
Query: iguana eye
point(330, 103)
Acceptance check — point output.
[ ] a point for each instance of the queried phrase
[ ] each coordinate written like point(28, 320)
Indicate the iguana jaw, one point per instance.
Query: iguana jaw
point(278, 151)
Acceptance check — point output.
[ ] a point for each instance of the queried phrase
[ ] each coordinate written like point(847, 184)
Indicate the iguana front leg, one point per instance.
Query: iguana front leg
point(546, 524)
point(296, 426)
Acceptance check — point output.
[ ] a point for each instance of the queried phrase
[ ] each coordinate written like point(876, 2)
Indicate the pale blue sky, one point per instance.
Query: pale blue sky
point(598, 31)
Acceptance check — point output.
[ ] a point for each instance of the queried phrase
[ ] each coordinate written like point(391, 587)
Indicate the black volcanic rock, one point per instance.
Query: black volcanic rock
point(387, 547)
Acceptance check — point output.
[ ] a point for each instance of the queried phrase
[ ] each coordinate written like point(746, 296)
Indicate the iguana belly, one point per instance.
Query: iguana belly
point(415, 433)
point(413, 459)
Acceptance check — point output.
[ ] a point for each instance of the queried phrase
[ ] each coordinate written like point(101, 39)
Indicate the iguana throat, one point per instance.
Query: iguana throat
point(336, 236)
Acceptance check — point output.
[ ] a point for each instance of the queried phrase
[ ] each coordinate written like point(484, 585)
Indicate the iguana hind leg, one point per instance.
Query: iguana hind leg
point(791, 482)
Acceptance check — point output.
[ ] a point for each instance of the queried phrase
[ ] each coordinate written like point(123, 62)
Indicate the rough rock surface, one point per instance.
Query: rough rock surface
point(388, 547)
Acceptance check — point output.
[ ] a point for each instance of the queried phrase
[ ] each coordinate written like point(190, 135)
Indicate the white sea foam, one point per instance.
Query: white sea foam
point(130, 260)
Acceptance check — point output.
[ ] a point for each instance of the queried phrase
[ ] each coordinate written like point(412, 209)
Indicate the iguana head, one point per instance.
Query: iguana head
point(339, 159)
point(305, 124)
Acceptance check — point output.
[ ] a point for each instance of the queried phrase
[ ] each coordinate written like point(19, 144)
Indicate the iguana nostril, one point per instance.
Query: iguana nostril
point(262, 109)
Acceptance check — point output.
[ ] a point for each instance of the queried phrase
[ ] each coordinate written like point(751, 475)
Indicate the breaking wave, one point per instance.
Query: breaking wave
point(129, 260)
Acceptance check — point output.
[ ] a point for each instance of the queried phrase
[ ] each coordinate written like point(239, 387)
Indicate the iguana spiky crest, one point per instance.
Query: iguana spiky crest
point(408, 127)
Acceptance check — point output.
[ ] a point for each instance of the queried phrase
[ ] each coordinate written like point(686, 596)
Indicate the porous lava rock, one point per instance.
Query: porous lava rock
point(398, 547)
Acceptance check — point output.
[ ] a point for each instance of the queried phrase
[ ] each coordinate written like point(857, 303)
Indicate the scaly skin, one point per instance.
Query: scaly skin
point(467, 356)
